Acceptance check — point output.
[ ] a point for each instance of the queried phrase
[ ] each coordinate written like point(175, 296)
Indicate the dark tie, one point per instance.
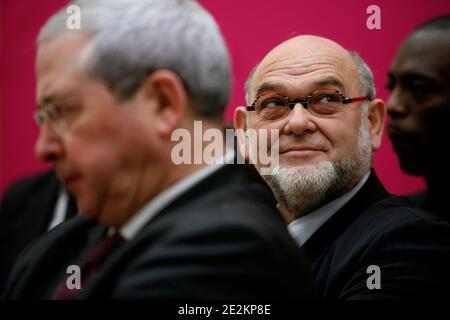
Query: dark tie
point(88, 267)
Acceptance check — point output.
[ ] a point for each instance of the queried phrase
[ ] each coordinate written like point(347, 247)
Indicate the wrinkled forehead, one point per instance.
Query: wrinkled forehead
point(305, 64)
point(58, 63)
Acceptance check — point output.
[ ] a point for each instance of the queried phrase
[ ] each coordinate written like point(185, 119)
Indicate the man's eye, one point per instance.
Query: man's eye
point(420, 85)
point(272, 103)
point(390, 83)
point(59, 111)
point(326, 98)
point(64, 112)
point(420, 89)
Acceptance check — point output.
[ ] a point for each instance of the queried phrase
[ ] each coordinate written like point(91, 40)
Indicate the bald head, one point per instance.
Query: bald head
point(306, 47)
point(307, 55)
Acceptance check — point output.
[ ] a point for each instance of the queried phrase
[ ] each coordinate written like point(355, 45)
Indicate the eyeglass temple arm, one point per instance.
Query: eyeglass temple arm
point(350, 100)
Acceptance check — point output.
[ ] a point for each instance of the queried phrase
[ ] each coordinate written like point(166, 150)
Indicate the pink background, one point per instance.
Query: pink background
point(251, 29)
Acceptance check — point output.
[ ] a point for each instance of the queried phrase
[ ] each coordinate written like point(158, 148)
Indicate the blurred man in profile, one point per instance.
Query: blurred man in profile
point(419, 106)
point(109, 98)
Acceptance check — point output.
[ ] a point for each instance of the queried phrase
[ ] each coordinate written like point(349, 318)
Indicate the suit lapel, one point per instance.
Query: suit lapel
point(317, 245)
point(223, 177)
point(41, 206)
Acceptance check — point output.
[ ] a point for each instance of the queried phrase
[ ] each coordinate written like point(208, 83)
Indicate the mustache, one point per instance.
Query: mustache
point(301, 143)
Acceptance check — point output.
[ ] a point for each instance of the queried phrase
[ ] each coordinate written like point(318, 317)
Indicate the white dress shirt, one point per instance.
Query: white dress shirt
point(304, 227)
point(60, 210)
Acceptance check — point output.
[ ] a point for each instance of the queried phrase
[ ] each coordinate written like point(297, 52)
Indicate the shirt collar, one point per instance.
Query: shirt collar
point(304, 227)
point(162, 200)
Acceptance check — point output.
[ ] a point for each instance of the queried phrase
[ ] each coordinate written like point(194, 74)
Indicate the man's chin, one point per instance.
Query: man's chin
point(303, 167)
point(299, 162)
point(87, 208)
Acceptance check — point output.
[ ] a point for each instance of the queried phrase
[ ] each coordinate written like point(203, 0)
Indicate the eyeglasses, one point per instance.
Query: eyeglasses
point(322, 102)
point(58, 117)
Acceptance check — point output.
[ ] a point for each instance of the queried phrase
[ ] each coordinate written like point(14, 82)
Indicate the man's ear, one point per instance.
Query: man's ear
point(166, 91)
point(377, 118)
point(240, 125)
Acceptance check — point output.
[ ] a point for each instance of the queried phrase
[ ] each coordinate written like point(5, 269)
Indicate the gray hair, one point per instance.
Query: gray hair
point(248, 85)
point(364, 73)
point(132, 38)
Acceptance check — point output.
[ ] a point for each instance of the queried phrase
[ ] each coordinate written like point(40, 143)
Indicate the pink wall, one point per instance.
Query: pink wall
point(251, 28)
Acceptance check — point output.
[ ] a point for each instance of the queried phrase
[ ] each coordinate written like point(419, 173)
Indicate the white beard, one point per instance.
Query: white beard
point(305, 188)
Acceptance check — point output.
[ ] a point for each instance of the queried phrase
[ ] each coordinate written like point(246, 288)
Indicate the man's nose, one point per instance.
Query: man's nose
point(48, 147)
point(395, 105)
point(299, 121)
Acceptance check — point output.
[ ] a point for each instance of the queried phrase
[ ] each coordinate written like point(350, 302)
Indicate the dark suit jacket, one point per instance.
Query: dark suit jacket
point(222, 239)
point(26, 210)
point(428, 201)
point(410, 246)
